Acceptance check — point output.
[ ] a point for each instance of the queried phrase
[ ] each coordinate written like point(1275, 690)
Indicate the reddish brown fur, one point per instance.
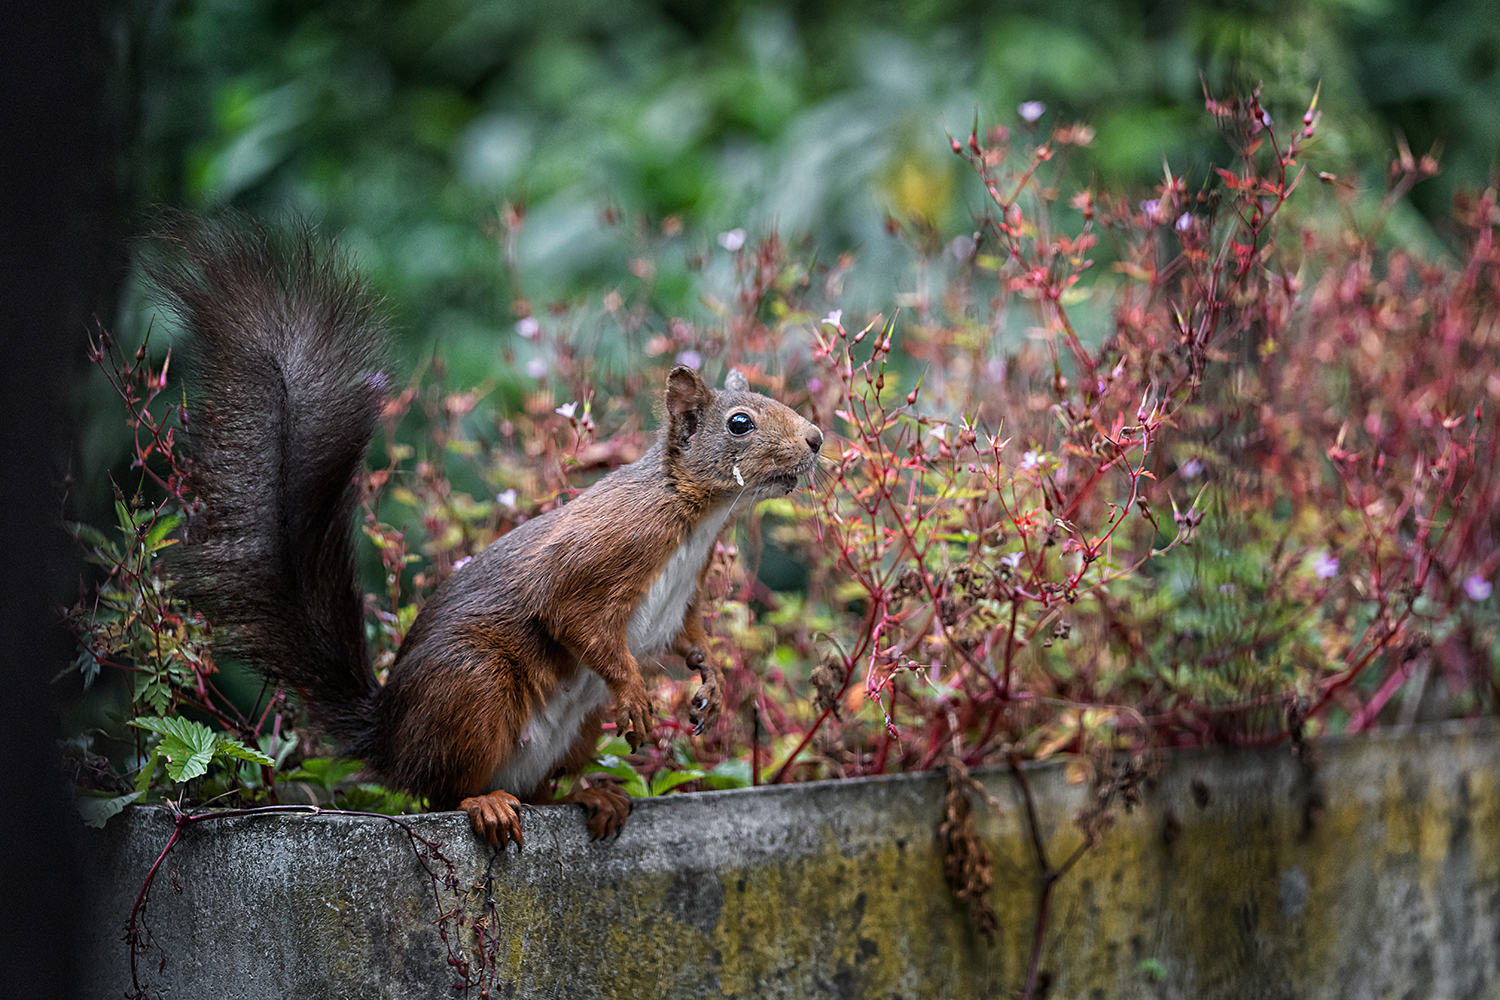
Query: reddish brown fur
point(496, 640)
point(288, 348)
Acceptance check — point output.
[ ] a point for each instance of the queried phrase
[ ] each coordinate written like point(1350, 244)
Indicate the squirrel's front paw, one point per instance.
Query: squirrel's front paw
point(707, 701)
point(495, 816)
point(633, 717)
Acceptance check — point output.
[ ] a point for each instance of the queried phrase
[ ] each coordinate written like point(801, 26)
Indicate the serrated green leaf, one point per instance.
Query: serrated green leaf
point(238, 751)
point(186, 761)
point(96, 810)
point(156, 538)
point(91, 535)
point(195, 734)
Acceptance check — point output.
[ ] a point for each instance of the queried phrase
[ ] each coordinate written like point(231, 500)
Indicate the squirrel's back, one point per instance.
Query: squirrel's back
point(287, 351)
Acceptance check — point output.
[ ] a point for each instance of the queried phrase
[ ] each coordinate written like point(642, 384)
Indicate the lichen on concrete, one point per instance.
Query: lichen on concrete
point(1370, 870)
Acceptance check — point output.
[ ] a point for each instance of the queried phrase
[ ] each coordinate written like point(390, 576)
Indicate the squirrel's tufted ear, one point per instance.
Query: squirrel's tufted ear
point(735, 381)
point(687, 399)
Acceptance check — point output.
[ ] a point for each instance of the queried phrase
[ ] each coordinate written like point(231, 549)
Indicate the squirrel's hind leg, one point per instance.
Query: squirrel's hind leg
point(607, 804)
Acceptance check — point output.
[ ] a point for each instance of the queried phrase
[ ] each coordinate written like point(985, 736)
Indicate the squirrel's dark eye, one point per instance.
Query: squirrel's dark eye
point(740, 423)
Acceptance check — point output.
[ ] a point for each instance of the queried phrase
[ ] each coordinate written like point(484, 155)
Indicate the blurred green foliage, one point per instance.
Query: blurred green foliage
point(407, 128)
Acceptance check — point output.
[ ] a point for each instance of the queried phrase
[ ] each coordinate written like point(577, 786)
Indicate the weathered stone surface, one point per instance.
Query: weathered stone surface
point(1375, 873)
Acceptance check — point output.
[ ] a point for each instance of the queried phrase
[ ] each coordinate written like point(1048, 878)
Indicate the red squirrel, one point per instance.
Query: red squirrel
point(503, 680)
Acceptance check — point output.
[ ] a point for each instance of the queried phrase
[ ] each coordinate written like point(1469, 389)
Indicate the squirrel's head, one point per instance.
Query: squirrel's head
point(732, 443)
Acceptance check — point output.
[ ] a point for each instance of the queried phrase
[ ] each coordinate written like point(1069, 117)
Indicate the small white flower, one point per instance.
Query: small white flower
point(507, 499)
point(1013, 560)
point(461, 563)
point(1030, 111)
point(737, 477)
point(1325, 565)
point(536, 368)
point(835, 318)
point(690, 358)
point(1226, 589)
point(940, 432)
point(732, 240)
point(1184, 221)
point(1191, 469)
point(528, 327)
point(567, 409)
point(1478, 588)
point(1030, 460)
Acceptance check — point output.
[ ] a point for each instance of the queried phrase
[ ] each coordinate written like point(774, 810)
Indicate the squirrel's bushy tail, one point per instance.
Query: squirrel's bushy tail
point(287, 351)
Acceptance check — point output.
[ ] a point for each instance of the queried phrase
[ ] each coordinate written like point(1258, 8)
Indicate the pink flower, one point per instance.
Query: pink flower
point(567, 409)
point(1478, 588)
point(528, 327)
point(1030, 111)
point(732, 240)
point(536, 367)
point(1325, 565)
point(690, 358)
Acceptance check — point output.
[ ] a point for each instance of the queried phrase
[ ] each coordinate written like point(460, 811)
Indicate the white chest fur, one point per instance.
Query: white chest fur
point(657, 620)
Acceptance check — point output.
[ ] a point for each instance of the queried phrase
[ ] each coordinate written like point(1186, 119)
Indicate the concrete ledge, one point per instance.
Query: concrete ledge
point(1375, 873)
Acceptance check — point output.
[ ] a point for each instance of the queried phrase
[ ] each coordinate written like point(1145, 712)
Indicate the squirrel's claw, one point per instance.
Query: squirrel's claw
point(706, 703)
point(607, 806)
point(495, 816)
point(708, 700)
point(633, 718)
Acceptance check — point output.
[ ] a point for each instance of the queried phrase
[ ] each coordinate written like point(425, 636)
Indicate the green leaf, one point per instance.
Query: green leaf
point(325, 772)
point(148, 771)
point(127, 523)
point(189, 747)
point(369, 797)
point(236, 750)
point(728, 774)
point(634, 784)
point(90, 535)
point(186, 761)
point(156, 538)
point(97, 810)
point(665, 781)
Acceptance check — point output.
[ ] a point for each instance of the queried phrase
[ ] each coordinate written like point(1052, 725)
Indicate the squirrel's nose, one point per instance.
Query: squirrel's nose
point(814, 438)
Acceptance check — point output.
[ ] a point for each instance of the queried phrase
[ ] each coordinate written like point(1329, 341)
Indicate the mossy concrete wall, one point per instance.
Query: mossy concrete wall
point(1373, 873)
